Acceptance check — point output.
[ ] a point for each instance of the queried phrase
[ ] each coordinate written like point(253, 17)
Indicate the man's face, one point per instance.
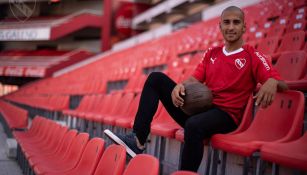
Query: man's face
point(232, 25)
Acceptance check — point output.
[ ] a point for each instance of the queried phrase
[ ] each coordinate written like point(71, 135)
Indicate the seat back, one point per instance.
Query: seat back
point(294, 61)
point(292, 41)
point(268, 45)
point(112, 161)
point(247, 116)
point(123, 104)
point(283, 119)
point(90, 157)
point(66, 143)
point(76, 149)
point(142, 164)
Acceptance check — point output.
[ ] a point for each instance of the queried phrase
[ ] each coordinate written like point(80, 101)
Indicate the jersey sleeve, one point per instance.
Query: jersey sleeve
point(200, 70)
point(262, 68)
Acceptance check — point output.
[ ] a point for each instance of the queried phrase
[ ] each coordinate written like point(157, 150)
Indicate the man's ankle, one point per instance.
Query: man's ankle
point(138, 144)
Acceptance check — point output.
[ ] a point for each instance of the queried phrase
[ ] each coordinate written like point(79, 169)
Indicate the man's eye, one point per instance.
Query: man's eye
point(226, 22)
point(236, 21)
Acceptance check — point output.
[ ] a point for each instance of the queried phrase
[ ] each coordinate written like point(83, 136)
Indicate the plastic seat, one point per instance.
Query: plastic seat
point(57, 154)
point(297, 63)
point(142, 164)
point(276, 31)
point(31, 132)
point(89, 159)
point(112, 161)
point(125, 120)
point(292, 41)
point(55, 141)
point(268, 45)
point(290, 154)
point(120, 110)
point(14, 116)
point(280, 122)
point(70, 159)
point(164, 125)
point(184, 173)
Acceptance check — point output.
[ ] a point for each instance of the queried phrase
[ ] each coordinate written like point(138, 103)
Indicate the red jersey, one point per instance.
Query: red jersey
point(233, 76)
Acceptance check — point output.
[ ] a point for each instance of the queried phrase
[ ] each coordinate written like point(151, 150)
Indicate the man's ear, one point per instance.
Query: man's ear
point(220, 26)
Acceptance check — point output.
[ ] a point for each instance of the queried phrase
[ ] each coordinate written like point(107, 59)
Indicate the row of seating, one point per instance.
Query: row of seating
point(14, 117)
point(287, 111)
point(280, 124)
point(49, 148)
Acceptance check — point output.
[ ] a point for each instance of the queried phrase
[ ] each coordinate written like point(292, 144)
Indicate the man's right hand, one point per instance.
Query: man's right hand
point(177, 92)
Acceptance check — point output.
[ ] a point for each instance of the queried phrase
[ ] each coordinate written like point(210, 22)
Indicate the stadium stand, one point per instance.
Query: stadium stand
point(95, 92)
point(13, 117)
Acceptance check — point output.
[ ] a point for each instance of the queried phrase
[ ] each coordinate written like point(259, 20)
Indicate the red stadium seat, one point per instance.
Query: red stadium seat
point(88, 161)
point(125, 120)
point(112, 161)
point(15, 117)
point(290, 154)
point(142, 164)
point(276, 31)
point(120, 110)
point(34, 129)
point(164, 125)
point(44, 147)
point(58, 153)
point(70, 159)
point(280, 122)
point(268, 45)
point(296, 62)
point(292, 41)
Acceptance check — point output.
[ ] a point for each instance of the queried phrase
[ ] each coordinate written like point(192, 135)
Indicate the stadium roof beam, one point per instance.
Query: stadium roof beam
point(168, 12)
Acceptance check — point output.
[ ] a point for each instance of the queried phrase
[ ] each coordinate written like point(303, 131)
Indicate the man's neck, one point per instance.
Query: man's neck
point(233, 46)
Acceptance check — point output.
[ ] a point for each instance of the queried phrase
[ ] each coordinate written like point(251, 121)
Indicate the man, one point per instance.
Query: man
point(231, 72)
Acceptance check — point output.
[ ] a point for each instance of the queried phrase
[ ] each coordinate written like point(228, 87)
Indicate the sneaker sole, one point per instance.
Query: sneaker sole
point(117, 140)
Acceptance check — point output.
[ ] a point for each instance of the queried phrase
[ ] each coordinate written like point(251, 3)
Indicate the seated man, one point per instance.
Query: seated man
point(231, 71)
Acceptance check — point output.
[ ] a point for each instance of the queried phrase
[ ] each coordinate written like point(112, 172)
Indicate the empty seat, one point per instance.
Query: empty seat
point(112, 161)
point(292, 41)
point(89, 159)
point(68, 161)
point(296, 62)
point(268, 45)
point(290, 154)
point(142, 164)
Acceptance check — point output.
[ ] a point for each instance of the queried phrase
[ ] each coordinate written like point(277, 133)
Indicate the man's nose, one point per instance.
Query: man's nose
point(231, 26)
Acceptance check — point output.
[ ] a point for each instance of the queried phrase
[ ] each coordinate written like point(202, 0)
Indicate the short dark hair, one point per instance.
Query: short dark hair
point(234, 8)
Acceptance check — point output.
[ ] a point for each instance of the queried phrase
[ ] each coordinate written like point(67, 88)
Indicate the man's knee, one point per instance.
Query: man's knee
point(155, 77)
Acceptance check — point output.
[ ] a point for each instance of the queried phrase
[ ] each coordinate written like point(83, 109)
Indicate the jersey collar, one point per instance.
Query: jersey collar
point(233, 52)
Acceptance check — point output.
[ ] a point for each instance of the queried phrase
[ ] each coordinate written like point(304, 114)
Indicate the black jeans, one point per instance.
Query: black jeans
point(198, 127)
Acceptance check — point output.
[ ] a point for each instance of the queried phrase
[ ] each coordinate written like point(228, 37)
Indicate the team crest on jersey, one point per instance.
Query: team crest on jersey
point(240, 62)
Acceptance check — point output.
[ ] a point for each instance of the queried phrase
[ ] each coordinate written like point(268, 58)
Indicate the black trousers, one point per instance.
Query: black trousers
point(159, 86)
